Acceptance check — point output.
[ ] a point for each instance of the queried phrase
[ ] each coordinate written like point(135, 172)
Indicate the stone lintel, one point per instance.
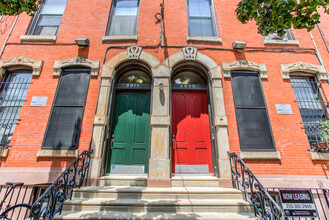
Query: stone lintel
point(57, 153)
point(281, 42)
point(38, 38)
point(261, 155)
point(319, 156)
point(4, 152)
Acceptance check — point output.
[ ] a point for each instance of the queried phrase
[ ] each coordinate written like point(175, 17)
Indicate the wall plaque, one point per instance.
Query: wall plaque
point(39, 101)
point(283, 109)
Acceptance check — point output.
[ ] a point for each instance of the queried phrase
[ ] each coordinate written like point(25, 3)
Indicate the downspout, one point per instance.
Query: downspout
point(11, 30)
point(318, 55)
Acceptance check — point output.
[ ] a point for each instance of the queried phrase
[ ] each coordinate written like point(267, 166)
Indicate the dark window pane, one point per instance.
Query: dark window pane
point(187, 77)
point(247, 90)
point(49, 20)
point(126, 7)
point(123, 25)
point(195, 27)
point(42, 30)
point(54, 7)
point(73, 89)
point(200, 8)
point(135, 76)
point(64, 128)
point(254, 129)
point(207, 28)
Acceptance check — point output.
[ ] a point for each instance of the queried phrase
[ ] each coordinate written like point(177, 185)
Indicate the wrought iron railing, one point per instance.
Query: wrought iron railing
point(321, 201)
point(52, 199)
point(264, 205)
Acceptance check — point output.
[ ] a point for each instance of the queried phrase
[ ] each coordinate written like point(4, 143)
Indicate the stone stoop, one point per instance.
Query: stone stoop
point(126, 201)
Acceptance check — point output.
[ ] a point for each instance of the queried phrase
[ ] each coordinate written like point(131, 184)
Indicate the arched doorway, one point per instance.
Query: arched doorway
point(130, 124)
point(191, 139)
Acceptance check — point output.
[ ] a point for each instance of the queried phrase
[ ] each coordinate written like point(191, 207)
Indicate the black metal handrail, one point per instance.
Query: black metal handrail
point(242, 178)
point(51, 201)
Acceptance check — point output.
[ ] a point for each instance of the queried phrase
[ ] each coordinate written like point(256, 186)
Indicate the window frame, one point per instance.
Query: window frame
point(246, 72)
point(43, 147)
point(213, 19)
point(10, 71)
point(114, 2)
point(36, 18)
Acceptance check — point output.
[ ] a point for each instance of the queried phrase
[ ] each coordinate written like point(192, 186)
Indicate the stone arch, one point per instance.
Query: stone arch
point(220, 119)
point(318, 70)
point(191, 54)
point(132, 53)
point(244, 65)
point(77, 61)
point(35, 65)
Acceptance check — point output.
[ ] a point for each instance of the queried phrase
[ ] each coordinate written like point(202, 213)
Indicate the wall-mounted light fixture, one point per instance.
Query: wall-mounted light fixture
point(82, 42)
point(161, 87)
point(239, 45)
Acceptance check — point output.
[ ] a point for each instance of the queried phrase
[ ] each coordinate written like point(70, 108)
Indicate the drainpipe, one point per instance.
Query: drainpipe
point(11, 30)
point(318, 55)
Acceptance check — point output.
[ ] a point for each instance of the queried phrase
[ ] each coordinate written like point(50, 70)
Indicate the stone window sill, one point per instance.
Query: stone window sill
point(4, 153)
point(281, 42)
point(57, 153)
point(38, 38)
point(205, 39)
point(107, 39)
point(319, 156)
point(261, 155)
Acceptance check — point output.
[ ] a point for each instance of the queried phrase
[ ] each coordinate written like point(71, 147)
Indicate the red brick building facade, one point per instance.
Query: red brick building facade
point(285, 162)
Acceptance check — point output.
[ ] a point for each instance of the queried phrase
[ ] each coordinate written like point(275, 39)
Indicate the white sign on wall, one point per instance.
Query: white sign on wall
point(39, 101)
point(283, 109)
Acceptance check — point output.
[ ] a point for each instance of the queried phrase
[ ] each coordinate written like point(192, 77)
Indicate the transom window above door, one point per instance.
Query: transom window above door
point(135, 76)
point(201, 18)
point(123, 18)
point(48, 18)
point(187, 77)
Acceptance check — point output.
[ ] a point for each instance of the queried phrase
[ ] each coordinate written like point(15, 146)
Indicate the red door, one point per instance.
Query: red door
point(191, 136)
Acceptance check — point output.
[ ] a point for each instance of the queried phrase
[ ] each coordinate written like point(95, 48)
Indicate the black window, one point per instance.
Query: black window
point(123, 18)
point(48, 18)
point(66, 117)
point(13, 89)
point(201, 18)
point(311, 107)
point(251, 112)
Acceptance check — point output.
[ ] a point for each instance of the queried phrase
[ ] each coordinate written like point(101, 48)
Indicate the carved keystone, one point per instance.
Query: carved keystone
point(189, 53)
point(134, 52)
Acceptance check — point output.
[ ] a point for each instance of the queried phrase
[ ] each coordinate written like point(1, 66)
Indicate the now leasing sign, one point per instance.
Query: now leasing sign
point(298, 203)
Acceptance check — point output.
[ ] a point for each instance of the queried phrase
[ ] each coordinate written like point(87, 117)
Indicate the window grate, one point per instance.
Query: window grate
point(13, 90)
point(313, 110)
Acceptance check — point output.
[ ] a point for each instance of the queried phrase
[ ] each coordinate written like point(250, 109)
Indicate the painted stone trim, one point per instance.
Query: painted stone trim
point(261, 155)
point(134, 52)
point(57, 153)
point(36, 65)
point(160, 120)
point(318, 70)
point(4, 153)
point(221, 121)
point(106, 39)
point(205, 39)
point(281, 42)
point(38, 38)
point(189, 53)
point(244, 65)
point(77, 61)
point(319, 156)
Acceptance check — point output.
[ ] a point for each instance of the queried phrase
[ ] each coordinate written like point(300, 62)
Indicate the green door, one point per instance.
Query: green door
point(129, 151)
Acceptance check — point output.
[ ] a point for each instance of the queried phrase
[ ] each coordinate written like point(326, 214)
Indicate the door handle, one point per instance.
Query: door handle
point(112, 140)
point(173, 141)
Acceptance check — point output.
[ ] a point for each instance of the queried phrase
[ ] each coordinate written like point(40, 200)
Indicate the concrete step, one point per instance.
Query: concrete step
point(151, 205)
point(123, 180)
point(194, 181)
point(141, 193)
point(154, 215)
